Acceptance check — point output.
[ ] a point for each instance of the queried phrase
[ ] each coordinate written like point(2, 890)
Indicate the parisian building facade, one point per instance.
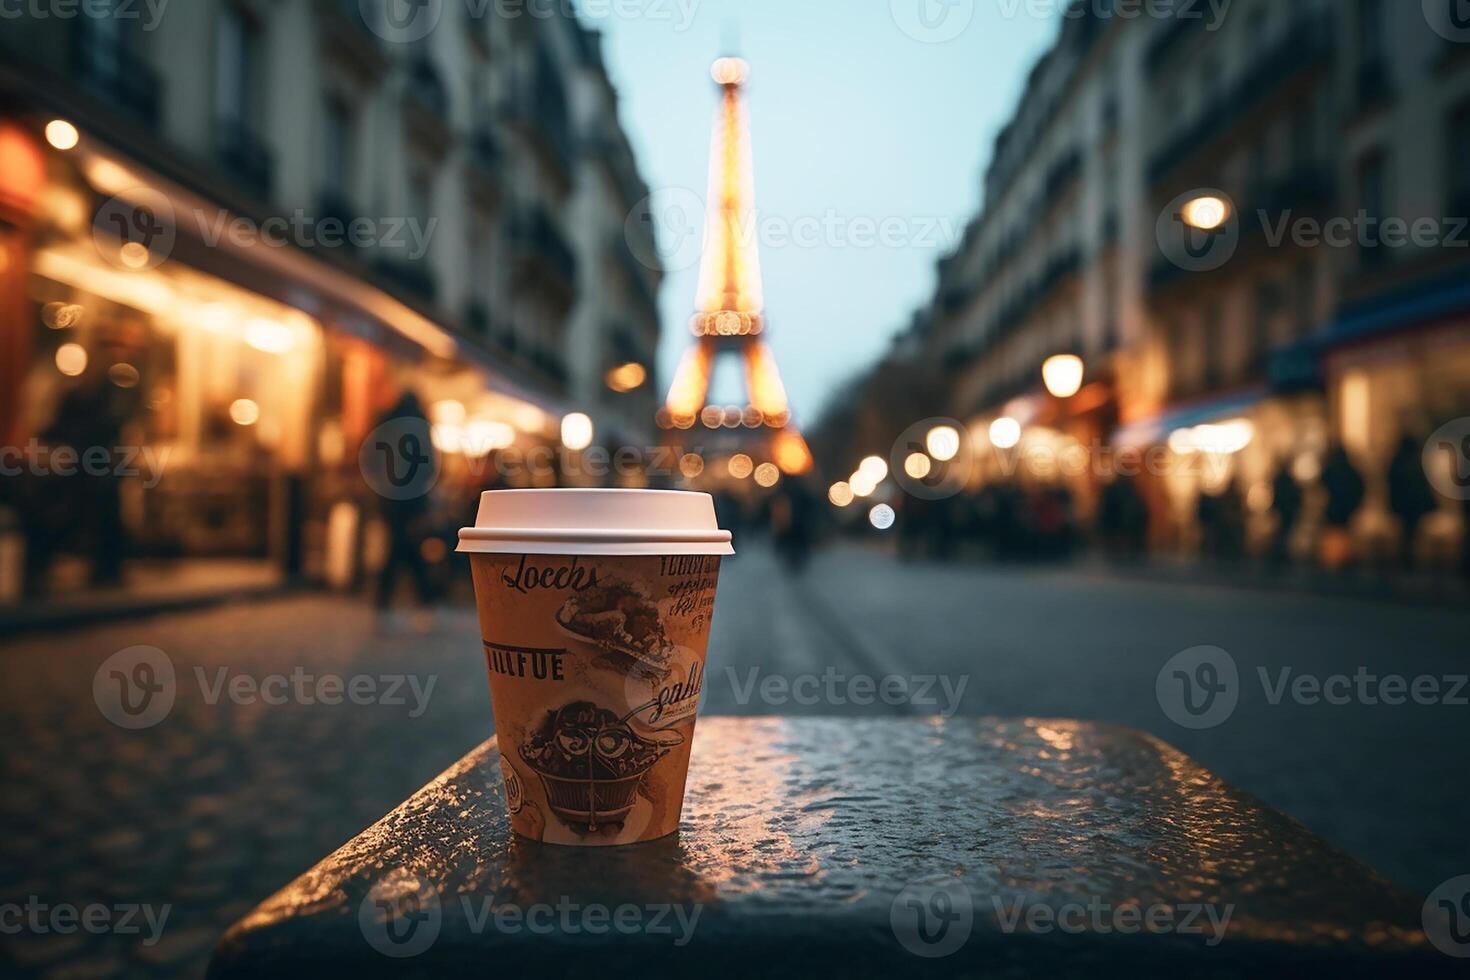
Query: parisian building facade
point(255, 224)
point(1327, 310)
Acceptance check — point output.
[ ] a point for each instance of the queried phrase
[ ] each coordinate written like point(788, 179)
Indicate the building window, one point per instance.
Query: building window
point(1212, 345)
point(337, 134)
point(1455, 162)
point(236, 69)
point(1372, 41)
point(1373, 202)
point(1268, 306)
point(1306, 297)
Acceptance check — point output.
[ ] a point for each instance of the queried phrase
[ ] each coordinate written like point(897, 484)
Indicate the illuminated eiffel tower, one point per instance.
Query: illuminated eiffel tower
point(729, 318)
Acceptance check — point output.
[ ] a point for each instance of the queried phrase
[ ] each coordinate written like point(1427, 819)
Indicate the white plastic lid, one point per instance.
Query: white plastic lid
point(595, 522)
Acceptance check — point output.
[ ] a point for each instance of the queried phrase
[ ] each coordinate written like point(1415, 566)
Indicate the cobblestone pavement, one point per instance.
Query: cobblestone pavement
point(219, 804)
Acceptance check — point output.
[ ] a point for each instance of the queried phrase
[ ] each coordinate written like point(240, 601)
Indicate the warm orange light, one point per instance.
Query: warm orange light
point(840, 494)
point(1005, 433)
point(767, 475)
point(740, 466)
point(627, 377)
point(1063, 375)
point(918, 466)
point(1205, 213)
point(791, 452)
point(243, 411)
point(62, 135)
point(576, 431)
point(730, 71)
point(943, 442)
point(71, 359)
point(691, 465)
point(134, 255)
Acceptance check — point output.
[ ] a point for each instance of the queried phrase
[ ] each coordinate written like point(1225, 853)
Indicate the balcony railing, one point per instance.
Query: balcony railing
point(241, 152)
point(1305, 46)
point(539, 243)
point(115, 72)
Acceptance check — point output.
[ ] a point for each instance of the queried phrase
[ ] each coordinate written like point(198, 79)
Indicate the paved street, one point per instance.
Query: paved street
point(221, 803)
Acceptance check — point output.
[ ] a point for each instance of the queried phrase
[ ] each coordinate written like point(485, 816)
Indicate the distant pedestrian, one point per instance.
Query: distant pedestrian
point(1410, 496)
point(407, 520)
point(1286, 505)
point(1345, 490)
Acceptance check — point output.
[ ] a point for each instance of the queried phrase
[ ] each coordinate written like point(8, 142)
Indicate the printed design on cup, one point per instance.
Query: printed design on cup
point(592, 763)
point(620, 618)
point(596, 665)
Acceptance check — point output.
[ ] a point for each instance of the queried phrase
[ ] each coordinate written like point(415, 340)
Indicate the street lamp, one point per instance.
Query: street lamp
point(1005, 433)
point(1205, 213)
point(1063, 375)
point(62, 134)
point(943, 442)
point(576, 431)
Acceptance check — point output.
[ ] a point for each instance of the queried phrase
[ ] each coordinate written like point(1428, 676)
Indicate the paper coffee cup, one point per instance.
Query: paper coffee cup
point(594, 613)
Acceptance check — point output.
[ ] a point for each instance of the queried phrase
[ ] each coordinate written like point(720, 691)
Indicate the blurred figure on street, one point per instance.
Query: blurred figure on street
point(794, 511)
point(1286, 506)
point(1344, 487)
point(1410, 496)
point(407, 520)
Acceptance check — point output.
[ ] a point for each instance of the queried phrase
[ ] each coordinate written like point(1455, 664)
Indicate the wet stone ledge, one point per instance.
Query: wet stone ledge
point(885, 848)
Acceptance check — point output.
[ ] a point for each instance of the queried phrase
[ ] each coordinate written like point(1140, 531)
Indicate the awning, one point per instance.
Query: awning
point(1156, 429)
